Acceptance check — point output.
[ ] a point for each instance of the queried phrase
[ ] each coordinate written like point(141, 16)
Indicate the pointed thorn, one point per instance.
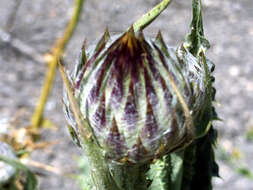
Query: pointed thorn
point(102, 42)
point(159, 40)
point(84, 44)
point(159, 37)
point(84, 57)
point(129, 39)
point(131, 30)
point(107, 34)
point(114, 128)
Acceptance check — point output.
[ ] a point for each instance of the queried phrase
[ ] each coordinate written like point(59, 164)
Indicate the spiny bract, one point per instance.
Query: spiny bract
point(128, 89)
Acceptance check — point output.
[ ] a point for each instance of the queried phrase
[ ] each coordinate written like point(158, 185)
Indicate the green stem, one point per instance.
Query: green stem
point(129, 177)
point(100, 172)
point(58, 49)
point(148, 18)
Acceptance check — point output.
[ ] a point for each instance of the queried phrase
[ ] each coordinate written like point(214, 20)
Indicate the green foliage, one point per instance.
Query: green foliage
point(176, 164)
point(249, 134)
point(195, 41)
point(188, 169)
point(199, 163)
point(232, 159)
point(188, 165)
point(159, 174)
point(167, 173)
point(30, 180)
point(84, 178)
point(245, 172)
point(199, 158)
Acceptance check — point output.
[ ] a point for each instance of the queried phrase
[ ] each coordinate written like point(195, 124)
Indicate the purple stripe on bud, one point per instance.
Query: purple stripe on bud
point(99, 117)
point(101, 45)
point(115, 139)
point(131, 114)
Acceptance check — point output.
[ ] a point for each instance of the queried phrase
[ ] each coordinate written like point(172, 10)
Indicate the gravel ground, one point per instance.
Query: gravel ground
point(228, 26)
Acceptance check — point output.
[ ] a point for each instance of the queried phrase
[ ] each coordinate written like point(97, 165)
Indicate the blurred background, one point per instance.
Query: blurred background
point(37, 24)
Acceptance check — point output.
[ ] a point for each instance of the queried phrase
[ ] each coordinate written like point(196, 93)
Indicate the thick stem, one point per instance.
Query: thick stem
point(99, 170)
point(130, 177)
point(148, 18)
point(58, 49)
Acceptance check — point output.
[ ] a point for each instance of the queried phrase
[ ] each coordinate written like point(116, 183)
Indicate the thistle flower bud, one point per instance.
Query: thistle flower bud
point(139, 96)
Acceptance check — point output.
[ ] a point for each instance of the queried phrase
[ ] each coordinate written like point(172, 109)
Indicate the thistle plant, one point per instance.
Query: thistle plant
point(143, 111)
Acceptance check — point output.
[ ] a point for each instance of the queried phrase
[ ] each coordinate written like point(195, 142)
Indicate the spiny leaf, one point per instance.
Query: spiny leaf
point(195, 41)
point(85, 131)
point(167, 173)
point(159, 174)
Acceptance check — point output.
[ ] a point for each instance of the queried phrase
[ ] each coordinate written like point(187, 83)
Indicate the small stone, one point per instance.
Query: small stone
point(234, 71)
